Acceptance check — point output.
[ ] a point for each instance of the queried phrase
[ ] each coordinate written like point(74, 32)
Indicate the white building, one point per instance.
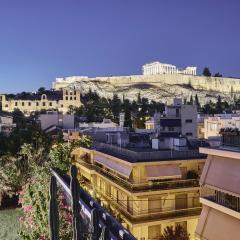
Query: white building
point(212, 125)
point(163, 68)
point(106, 123)
point(53, 118)
point(177, 119)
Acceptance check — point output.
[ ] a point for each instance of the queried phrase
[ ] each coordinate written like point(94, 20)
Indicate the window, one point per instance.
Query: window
point(171, 129)
point(22, 103)
point(29, 103)
point(70, 98)
point(188, 120)
point(37, 104)
point(16, 103)
point(66, 92)
point(189, 134)
point(61, 105)
point(44, 104)
point(6, 105)
point(50, 104)
point(74, 92)
point(66, 98)
point(75, 98)
point(43, 96)
point(70, 93)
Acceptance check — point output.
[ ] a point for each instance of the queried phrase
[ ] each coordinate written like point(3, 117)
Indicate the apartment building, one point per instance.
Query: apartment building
point(177, 119)
point(47, 100)
point(220, 191)
point(146, 188)
point(212, 125)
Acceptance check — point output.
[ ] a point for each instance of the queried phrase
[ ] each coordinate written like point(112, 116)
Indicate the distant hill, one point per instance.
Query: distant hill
point(162, 87)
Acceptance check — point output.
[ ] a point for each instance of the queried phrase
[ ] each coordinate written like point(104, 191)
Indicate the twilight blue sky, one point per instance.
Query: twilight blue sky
point(44, 39)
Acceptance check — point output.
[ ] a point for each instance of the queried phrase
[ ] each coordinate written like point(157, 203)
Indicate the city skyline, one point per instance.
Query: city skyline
point(42, 41)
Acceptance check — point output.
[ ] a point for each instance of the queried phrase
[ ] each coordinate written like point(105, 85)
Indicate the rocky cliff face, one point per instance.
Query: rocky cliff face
point(157, 87)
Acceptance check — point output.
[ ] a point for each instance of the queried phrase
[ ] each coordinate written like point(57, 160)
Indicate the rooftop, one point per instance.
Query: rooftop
point(51, 95)
point(134, 155)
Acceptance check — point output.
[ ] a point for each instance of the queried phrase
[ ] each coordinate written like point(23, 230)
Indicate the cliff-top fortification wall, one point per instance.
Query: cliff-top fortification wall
point(162, 87)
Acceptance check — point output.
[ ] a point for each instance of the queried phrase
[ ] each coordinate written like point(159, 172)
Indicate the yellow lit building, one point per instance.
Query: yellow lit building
point(148, 190)
point(46, 100)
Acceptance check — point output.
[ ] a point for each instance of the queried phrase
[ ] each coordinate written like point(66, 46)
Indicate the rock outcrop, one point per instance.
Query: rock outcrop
point(162, 87)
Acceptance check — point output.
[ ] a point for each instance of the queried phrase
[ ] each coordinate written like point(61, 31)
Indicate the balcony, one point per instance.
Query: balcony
point(225, 200)
point(141, 187)
point(140, 216)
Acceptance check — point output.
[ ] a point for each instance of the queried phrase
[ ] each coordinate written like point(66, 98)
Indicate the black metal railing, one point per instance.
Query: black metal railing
point(89, 219)
point(225, 200)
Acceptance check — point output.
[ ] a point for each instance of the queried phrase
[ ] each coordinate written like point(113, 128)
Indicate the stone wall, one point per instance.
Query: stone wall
point(162, 87)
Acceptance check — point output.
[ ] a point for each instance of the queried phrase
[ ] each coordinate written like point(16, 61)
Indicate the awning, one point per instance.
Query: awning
point(166, 171)
point(118, 167)
point(215, 225)
point(222, 173)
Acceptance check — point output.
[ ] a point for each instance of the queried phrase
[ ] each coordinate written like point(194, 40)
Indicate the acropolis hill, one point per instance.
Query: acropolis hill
point(163, 87)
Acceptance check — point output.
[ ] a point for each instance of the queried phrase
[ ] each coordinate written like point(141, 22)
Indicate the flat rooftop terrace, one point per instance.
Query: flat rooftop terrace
point(134, 155)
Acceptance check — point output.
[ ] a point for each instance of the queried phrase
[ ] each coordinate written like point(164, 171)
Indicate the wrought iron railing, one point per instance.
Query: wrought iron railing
point(89, 219)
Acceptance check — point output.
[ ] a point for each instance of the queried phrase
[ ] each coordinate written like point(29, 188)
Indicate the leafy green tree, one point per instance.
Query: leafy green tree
point(179, 233)
point(115, 105)
point(206, 72)
point(41, 90)
point(128, 116)
point(60, 156)
point(209, 108)
point(85, 141)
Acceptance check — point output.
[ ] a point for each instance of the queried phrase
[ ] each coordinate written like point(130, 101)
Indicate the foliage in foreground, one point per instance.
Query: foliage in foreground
point(35, 197)
point(179, 233)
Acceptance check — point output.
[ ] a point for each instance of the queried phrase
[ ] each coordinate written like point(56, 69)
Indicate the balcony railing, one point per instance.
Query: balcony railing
point(227, 201)
point(145, 186)
point(90, 220)
point(136, 216)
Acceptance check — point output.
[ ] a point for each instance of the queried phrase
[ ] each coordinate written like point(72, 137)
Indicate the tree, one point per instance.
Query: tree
point(128, 115)
point(219, 107)
point(179, 233)
point(41, 90)
point(196, 102)
point(209, 108)
point(115, 105)
point(206, 72)
point(85, 141)
point(191, 100)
